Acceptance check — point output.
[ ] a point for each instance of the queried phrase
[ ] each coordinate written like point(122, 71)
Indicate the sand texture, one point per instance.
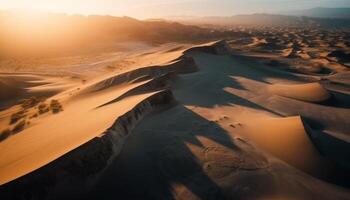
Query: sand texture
point(180, 121)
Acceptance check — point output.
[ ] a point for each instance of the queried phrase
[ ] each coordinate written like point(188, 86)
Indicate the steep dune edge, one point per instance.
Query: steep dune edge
point(84, 163)
point(136, 84)
point(181, 65)
point(220, 47)
point(161, 82)
point(80, 167)
point(92, 157)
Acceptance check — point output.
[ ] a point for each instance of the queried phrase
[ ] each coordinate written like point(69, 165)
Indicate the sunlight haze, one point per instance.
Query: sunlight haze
point(163, 8)
point(174, 99)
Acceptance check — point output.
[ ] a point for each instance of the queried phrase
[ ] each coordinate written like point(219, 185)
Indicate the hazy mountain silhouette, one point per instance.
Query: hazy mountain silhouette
point(28, 33)
point(265, 20)
point(322, 12)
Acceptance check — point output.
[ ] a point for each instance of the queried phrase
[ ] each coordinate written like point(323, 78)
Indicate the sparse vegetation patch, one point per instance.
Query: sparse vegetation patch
point(5, 134)
point(15, 117)
point(55, 106)
point(19, 126)
point(43, 108)
point(31, 102)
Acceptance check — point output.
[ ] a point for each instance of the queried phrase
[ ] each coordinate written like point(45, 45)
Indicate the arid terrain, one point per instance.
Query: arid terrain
point(239, 112)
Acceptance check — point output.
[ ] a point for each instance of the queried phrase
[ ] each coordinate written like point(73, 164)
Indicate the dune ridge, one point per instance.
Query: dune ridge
point(93, 156)
point(155, 78)
point(181, 65)
point(206, 143)
point(160, 73)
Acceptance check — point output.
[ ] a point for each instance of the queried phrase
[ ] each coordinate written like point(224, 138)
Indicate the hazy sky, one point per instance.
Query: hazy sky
point(161, 8)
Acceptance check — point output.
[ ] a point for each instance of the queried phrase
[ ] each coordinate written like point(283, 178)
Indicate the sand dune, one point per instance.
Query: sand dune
point(182, 65)
point(80, 108)
point(197, 159)
point(128, 84)
point(281, 136)
point(312, 92)
point(201, 121)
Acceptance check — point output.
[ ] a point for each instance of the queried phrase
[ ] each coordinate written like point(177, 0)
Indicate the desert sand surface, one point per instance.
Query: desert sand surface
point(261, 116)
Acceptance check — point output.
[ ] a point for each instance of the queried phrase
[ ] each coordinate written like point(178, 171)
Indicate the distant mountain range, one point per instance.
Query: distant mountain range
point(321, 12)
point(264, 20)
point(52, 33)
point(319, 16)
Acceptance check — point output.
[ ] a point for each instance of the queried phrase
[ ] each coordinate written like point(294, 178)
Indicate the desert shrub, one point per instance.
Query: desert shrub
point(15, 117)
point(55, 106)
point(5, 134)
point(19, 126)
point(31, 102)
point(43, 108)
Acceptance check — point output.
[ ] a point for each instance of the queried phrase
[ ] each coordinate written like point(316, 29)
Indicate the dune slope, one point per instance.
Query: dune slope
point(219, 125)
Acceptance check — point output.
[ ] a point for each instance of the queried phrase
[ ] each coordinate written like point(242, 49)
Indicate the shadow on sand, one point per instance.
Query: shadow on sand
point(160, 158)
